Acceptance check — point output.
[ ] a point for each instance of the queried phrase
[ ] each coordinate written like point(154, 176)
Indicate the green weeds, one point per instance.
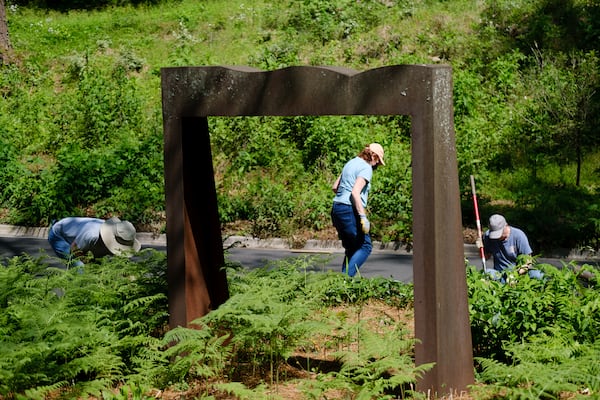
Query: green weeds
point(81, 128)
point(78, 333)
point(535, 338)
point(102, 332)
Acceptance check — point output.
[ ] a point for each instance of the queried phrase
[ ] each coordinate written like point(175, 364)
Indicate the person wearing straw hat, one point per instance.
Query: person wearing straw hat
point(73, 237)
point(348, 213)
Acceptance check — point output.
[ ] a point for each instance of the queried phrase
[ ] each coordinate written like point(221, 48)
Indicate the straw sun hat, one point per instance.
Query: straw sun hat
point(119, 236)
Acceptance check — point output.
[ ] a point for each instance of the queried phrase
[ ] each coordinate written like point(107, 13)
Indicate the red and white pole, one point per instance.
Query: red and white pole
point(478, 221)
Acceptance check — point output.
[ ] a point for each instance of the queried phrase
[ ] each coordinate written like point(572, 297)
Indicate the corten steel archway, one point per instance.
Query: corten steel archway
point(197, 284)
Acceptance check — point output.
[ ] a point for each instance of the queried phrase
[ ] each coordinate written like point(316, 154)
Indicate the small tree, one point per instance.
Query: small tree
point(5, 47)
point(561, 116)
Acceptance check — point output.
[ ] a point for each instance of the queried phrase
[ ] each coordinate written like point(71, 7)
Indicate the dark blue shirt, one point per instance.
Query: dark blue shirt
point(505, 252)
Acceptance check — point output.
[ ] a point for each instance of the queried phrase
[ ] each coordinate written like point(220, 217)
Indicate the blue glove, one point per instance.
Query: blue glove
point(365, 224)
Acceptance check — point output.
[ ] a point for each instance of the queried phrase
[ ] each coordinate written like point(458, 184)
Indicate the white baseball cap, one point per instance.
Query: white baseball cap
point(497, 224)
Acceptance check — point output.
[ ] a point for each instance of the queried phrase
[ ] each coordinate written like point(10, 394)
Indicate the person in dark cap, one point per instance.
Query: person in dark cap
point(505, 243)
point(73, 237)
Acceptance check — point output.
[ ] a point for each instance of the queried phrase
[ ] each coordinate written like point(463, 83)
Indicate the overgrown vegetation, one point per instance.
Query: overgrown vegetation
point(81, 134)
point(81, 130)
point(289, 331)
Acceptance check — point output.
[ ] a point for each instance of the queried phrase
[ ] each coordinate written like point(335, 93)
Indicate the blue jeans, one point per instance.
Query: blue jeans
point(357, 245)
point(501, 276)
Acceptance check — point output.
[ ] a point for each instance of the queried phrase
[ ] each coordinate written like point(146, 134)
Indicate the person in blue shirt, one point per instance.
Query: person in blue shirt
point(73, 237)
point(505, 243)
point(348, 213)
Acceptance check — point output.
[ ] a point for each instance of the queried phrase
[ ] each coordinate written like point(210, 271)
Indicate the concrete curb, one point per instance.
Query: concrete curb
point(21, 231)
point(153, 239)
point(321, 246)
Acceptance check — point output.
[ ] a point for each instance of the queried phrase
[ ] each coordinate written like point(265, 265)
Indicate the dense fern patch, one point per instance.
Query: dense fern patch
point(102, 332)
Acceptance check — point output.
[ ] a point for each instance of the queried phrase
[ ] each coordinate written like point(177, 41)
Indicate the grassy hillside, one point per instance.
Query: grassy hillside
point(81, 116)
point(81, 134)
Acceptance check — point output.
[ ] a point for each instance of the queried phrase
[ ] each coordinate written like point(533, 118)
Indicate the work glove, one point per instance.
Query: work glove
point(479, 243)
point(525, 267)
point(365, 224)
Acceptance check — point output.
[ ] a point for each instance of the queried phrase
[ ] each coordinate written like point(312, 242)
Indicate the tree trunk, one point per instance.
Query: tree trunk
point(5, 47)
point(579, 161)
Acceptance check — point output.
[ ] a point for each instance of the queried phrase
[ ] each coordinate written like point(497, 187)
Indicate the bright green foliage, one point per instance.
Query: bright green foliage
point(380, 368)
point(329, 20)
point(194, 354)
point(77, 330)
point(83, 101)
point(337, 291)
point(83, 332)
point(515, 311)
point(537, 338)
point(546, 366)
point(272, 312)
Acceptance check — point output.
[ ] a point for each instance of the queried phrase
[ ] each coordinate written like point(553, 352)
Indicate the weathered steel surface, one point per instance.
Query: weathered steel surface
point(441, 309)
point(194, 248)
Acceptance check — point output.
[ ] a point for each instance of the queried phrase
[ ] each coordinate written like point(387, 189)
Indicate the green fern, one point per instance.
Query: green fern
point(195, 354)
point(87, 329)
point(372, 364)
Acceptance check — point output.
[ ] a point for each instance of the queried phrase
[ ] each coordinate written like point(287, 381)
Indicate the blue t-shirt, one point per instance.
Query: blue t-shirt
point(357, 167)
point(82, 231)
point(505, 252)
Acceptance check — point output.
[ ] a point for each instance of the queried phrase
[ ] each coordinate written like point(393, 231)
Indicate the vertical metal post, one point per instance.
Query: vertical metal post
point(197, 283)
point(441, 310)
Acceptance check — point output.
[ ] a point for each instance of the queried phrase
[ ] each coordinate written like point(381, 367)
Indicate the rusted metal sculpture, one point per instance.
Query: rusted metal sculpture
point(197, 284)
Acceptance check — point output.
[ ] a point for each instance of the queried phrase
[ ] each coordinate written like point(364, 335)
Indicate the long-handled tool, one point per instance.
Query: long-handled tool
point(479, 235)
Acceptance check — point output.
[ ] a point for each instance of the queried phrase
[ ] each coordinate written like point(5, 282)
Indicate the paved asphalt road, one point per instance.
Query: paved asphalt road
point(388, 263)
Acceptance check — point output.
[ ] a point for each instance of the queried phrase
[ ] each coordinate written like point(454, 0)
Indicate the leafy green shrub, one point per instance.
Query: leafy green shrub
point(536, 338)
point(518, 311)
point(275, 56)
point(334, 19)
point(78, 332)
point(265, 321)
point(334, 290)
point(105, 109)
point(273, 208)
point(29, 194)
point(390, 200)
